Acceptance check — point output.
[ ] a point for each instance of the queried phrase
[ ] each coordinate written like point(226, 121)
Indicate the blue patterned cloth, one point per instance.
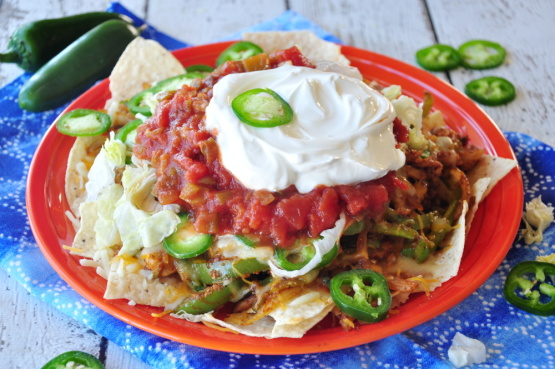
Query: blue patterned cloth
point(513, 338)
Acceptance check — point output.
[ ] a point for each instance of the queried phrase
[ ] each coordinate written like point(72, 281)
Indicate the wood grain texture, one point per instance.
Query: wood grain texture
point(526, 29)
point(32, 332)
point(14, 13)
point(396, 29)
point(200, 22)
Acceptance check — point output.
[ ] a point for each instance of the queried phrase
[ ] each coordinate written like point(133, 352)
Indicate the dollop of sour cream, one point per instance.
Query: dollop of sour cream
point(341, 132)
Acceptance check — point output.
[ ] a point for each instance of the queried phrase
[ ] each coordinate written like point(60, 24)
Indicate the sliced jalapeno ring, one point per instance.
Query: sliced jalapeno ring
point(125, 133)
point(199, 68)
point(83, 122)
point(362, 294)
point(145, 101)
point(239, 51)
point(219, 271)
point(530, 286)
point(262, 107)
point(248, 240)
point(491, 91)
point(185, 242)
point(138, 103)
point(303, 255)
point(175, 83)
point(438, 58)
point(78, 358)
point(481, 54)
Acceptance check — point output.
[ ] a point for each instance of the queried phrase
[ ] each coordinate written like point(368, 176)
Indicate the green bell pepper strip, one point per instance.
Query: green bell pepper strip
point(239, 51)
point(362, 294)
point(491, 91)
point(354, 228)
point(219, 271)
point(481, 54)
point(438, 58)
point(262, 108)
point(248, 240)
point(210, 299)
point(185, 242)
point(306, 253)
point(530, 286)
point(139, 104)
point(83, 122)
point(79, 358)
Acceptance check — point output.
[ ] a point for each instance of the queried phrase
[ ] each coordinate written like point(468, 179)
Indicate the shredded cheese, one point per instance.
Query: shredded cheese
point(162, 314)
point(425, 283)
point(73, 249)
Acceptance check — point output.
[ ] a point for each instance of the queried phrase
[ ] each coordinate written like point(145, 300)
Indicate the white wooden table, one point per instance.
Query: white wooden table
point(32, 332)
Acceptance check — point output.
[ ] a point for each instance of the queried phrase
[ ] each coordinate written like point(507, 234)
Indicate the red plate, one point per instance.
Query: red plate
point(492, 234)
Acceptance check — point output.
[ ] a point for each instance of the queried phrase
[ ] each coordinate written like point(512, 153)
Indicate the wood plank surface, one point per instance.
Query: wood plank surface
point(527, 30)
point(31, 332)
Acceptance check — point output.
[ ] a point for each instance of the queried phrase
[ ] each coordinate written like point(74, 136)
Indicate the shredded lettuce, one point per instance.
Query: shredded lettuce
point(410, 115)
point(105, 228)
point(392, 92)
point(103, 171)
point(141, 220)
point(115, 151)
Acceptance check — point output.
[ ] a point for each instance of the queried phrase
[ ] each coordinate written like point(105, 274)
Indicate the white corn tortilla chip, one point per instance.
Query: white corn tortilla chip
point(142, 62)
point(136, 287)
point(444, 265)
point(312, 46)
point(291, 320)
point(81, 157)
point(441, 266)
point(483, 177)
point(85, 239)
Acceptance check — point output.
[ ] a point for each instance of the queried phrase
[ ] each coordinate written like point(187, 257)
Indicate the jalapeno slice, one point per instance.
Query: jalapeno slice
point(438, 58)
point(248, 240)
point(210, 298)
point(491, 91)
point(83, 122)
point(530, 286)
point(203, 68)
point(239, 51)
point(262, 107)
point(185, 242)
point(481, 54)
point(301, 257)
point(145, 101)
point(362, 294)
point(78, 358)
point(219, 271)
point(126, 133)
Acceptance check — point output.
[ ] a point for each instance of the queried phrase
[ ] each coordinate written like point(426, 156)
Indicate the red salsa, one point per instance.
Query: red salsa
point(189, 171)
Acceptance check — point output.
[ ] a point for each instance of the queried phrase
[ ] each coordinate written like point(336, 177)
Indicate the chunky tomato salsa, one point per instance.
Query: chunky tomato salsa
point(190, 173)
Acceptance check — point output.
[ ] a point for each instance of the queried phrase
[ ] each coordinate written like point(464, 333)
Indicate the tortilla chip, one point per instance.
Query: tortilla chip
point(312, 46)
point(441, 266)
point(292, 320)
point(483, 177)
point(444, 265)
point(143, 62)
point(81, 157)
point(126, 283)
point(85, 239)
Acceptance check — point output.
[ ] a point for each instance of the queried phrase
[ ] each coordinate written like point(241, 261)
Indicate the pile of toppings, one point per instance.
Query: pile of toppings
point(271, 191)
